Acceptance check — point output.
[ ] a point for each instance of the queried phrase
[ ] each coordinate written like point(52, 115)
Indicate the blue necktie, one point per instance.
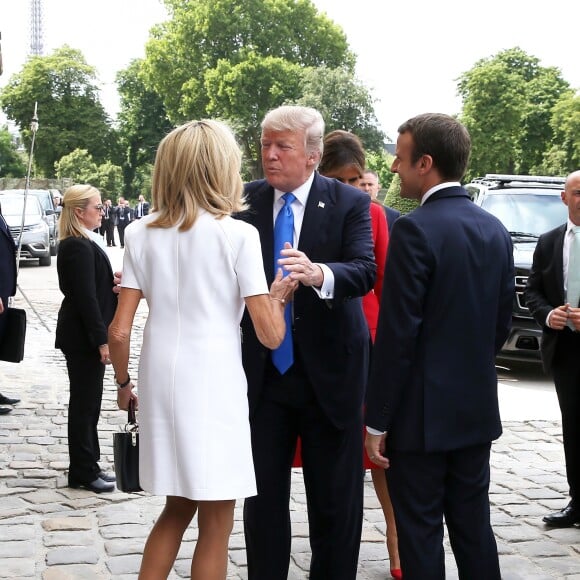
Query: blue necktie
point(283, 356)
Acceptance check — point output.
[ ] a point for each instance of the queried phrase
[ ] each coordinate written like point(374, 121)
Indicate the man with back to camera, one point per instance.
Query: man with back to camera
point(312, 386)
point(432, 405)
point(552, 295)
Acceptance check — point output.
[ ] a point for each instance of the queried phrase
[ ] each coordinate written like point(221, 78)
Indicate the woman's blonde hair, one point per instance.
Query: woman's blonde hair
point(75, 197)
point(197, 166)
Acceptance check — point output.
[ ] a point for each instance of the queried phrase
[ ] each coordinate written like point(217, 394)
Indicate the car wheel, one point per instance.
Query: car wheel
point(45, 261)
point(54, 249)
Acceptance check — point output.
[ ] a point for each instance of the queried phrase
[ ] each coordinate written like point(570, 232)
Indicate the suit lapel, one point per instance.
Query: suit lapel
point(316, 213)
point(260, 216)
point(558, 262)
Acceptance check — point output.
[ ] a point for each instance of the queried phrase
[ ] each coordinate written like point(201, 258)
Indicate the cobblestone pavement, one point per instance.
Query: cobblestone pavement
point(51, 532)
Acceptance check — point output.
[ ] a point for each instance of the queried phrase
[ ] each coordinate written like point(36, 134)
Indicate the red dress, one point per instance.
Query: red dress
point(370, 301)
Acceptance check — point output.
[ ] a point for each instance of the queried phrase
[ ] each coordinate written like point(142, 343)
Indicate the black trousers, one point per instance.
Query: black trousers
point(86, 373)
point(333, 478)
point(424, 488)
point(566, 372)
point(108, 230)
point(121, 230)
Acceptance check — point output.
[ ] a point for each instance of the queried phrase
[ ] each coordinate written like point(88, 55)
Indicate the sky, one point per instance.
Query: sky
point(409, 53)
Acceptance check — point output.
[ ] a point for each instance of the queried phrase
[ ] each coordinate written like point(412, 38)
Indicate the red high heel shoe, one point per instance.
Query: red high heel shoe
point(397, 573)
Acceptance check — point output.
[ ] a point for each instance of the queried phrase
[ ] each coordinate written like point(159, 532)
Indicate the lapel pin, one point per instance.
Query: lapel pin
point(321, 204)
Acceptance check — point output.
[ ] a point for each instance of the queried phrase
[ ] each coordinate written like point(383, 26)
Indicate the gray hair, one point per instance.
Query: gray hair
point(295, 118)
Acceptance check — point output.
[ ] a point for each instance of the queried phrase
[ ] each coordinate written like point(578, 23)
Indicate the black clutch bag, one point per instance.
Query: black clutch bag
point(126, 454)
point(12, 343)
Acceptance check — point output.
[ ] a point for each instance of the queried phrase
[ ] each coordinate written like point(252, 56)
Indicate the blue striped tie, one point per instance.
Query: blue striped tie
point(283, 356)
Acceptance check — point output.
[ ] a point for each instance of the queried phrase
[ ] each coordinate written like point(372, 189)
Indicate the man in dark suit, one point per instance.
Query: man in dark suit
point(370, 184)
point(7, 288)
point(432, 405)
point(549, 297)
point(107, 223)
point(319, 397)
point(124, 216)
point(141, 209)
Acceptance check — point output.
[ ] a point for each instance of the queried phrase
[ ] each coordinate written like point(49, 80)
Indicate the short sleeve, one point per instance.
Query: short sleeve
point(248, 265)
point(129, 278)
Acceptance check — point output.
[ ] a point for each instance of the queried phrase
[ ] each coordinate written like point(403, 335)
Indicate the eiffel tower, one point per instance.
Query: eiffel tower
point(36, 29)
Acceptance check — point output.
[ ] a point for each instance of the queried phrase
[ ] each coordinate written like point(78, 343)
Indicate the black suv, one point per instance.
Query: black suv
point(527, 205)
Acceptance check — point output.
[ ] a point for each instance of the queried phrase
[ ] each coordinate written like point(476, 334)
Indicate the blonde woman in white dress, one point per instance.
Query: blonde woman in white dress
point(197, 268)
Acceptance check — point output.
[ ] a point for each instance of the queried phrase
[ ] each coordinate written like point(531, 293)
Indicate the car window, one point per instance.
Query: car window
point(527, 213)
point(12, 206)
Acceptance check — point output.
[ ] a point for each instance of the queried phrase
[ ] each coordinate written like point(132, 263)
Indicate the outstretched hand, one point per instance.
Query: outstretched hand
point(282, 288)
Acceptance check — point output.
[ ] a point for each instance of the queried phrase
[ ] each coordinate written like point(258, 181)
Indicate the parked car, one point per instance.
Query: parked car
point(35, 233)
point(528, 206)
point(46, 198)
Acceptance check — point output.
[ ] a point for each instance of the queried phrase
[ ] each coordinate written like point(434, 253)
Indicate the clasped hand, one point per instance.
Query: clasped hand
point(561, 315)
point(300, 267)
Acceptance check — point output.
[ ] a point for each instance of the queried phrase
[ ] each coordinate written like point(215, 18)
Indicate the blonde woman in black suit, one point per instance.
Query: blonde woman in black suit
point(88, 283)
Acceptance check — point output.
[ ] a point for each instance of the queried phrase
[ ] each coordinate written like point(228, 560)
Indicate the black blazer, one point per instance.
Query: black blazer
point(7, 262)
point(85, 278)
point(545, 288)
point(446, 311)
point(332, 336)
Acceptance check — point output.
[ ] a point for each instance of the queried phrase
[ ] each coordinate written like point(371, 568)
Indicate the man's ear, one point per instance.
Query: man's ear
point(425, 164)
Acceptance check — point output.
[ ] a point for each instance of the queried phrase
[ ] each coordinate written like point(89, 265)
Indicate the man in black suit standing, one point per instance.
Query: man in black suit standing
point(141, 209)
point(124, 216)
point(318, 394)
point(432, 405)
point(7, 288)
point(552, 295)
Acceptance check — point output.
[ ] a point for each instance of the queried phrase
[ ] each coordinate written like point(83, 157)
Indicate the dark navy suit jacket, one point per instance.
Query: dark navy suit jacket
point(446, 312)
point(332, 336)
point(7, 262)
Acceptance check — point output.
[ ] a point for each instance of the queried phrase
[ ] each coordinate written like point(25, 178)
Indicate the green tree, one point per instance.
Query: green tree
point(344, 102)
point(109, 179)
point(563, 156)
point(70, 113)
point(393, 197)
point(78, 165)
point(507, 107)
point(11, 163)
point(200, 33)
point(380, 162)
point(270, 81)
point(142, 123)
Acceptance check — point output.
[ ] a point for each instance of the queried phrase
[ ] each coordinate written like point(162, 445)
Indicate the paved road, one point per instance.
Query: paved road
point(52, 532)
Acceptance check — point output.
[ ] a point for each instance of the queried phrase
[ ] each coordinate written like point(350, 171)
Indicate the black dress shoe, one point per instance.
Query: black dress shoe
point(8, 401)
point(4, 410)
point(565, 518)
point(108, 477)
point(97, 486)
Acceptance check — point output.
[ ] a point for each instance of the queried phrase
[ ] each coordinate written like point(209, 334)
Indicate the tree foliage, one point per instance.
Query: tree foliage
point(201, 33)
point(11, 163)
point(69, 110)
point(142, 123)
point(344, 102)
point(78, 165)
point(507, 107)
point(237, 60)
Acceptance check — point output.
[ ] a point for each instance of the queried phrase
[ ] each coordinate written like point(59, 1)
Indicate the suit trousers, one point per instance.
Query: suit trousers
point(566, 371)
point(424, 487)
point(86, 373)
point(333, 478)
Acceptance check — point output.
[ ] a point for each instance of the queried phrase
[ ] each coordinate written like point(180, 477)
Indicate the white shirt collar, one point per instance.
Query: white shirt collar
point(437, 187)
point(301, 192)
